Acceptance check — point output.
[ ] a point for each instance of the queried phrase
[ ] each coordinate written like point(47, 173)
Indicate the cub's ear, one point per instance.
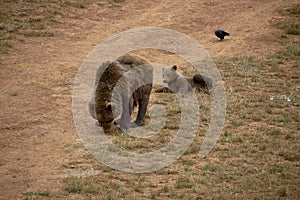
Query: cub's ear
point(109, 106)
point(174, 67)
point(163, 69)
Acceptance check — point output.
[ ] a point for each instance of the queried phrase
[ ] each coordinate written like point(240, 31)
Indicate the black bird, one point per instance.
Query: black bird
point(221, 34)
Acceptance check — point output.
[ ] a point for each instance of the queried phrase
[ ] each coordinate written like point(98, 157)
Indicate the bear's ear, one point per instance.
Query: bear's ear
point(109, 106)
point(174, 67)
point(163, 69)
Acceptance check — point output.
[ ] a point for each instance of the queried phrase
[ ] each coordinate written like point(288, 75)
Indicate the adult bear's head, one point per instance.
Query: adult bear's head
point(106, 118)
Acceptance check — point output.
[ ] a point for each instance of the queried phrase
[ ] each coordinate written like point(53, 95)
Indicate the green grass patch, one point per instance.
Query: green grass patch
point(80, 5)
point(115, 3)
point(290, 27)
point(228, 137)
point(5, 46)
point(85, 186)
point(34, 195)
point(237, 122)
point(38, 33)
point(293, 10)
point(294, 50)
point(210, 168)
point(183, 182)
point(274, 132)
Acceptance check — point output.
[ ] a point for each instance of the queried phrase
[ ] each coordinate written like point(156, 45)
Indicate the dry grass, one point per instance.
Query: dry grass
point(34, 18)
point(257, 156)
point(291, 25)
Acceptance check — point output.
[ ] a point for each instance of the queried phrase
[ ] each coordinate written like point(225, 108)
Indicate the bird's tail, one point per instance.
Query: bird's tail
point(226, 33)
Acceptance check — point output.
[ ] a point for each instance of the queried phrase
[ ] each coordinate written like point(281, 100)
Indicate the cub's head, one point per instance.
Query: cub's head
point(169, 74)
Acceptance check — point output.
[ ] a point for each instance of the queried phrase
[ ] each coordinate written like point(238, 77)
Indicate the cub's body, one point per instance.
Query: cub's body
point(182, 85)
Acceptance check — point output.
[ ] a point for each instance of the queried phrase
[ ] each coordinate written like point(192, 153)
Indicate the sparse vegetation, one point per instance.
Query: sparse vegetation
point(82, 186)
point(183, 182)
point(256, 153)
point(31, 19)
point(292, 25)
point(35, 195)
point(256, 157)
point(80, 5)
point(115, 3)
point(5, 46)
point(254, 160)
point(293, 10)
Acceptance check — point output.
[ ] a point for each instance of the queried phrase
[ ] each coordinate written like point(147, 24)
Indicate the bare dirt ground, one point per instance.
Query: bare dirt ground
point(39, 143)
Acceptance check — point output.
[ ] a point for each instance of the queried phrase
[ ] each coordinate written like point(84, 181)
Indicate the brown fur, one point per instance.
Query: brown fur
point(132, 72)
point(201, 83)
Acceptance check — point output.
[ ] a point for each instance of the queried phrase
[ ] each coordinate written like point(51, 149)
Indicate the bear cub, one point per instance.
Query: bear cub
point(182, 85)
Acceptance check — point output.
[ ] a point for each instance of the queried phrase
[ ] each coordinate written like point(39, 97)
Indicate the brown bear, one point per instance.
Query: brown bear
point(124, 84)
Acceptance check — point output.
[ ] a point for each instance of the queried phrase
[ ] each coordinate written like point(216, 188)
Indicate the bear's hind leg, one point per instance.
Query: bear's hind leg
point(143, 104)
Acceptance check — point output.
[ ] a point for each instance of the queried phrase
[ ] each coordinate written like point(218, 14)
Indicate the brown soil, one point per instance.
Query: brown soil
point(38, 138)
